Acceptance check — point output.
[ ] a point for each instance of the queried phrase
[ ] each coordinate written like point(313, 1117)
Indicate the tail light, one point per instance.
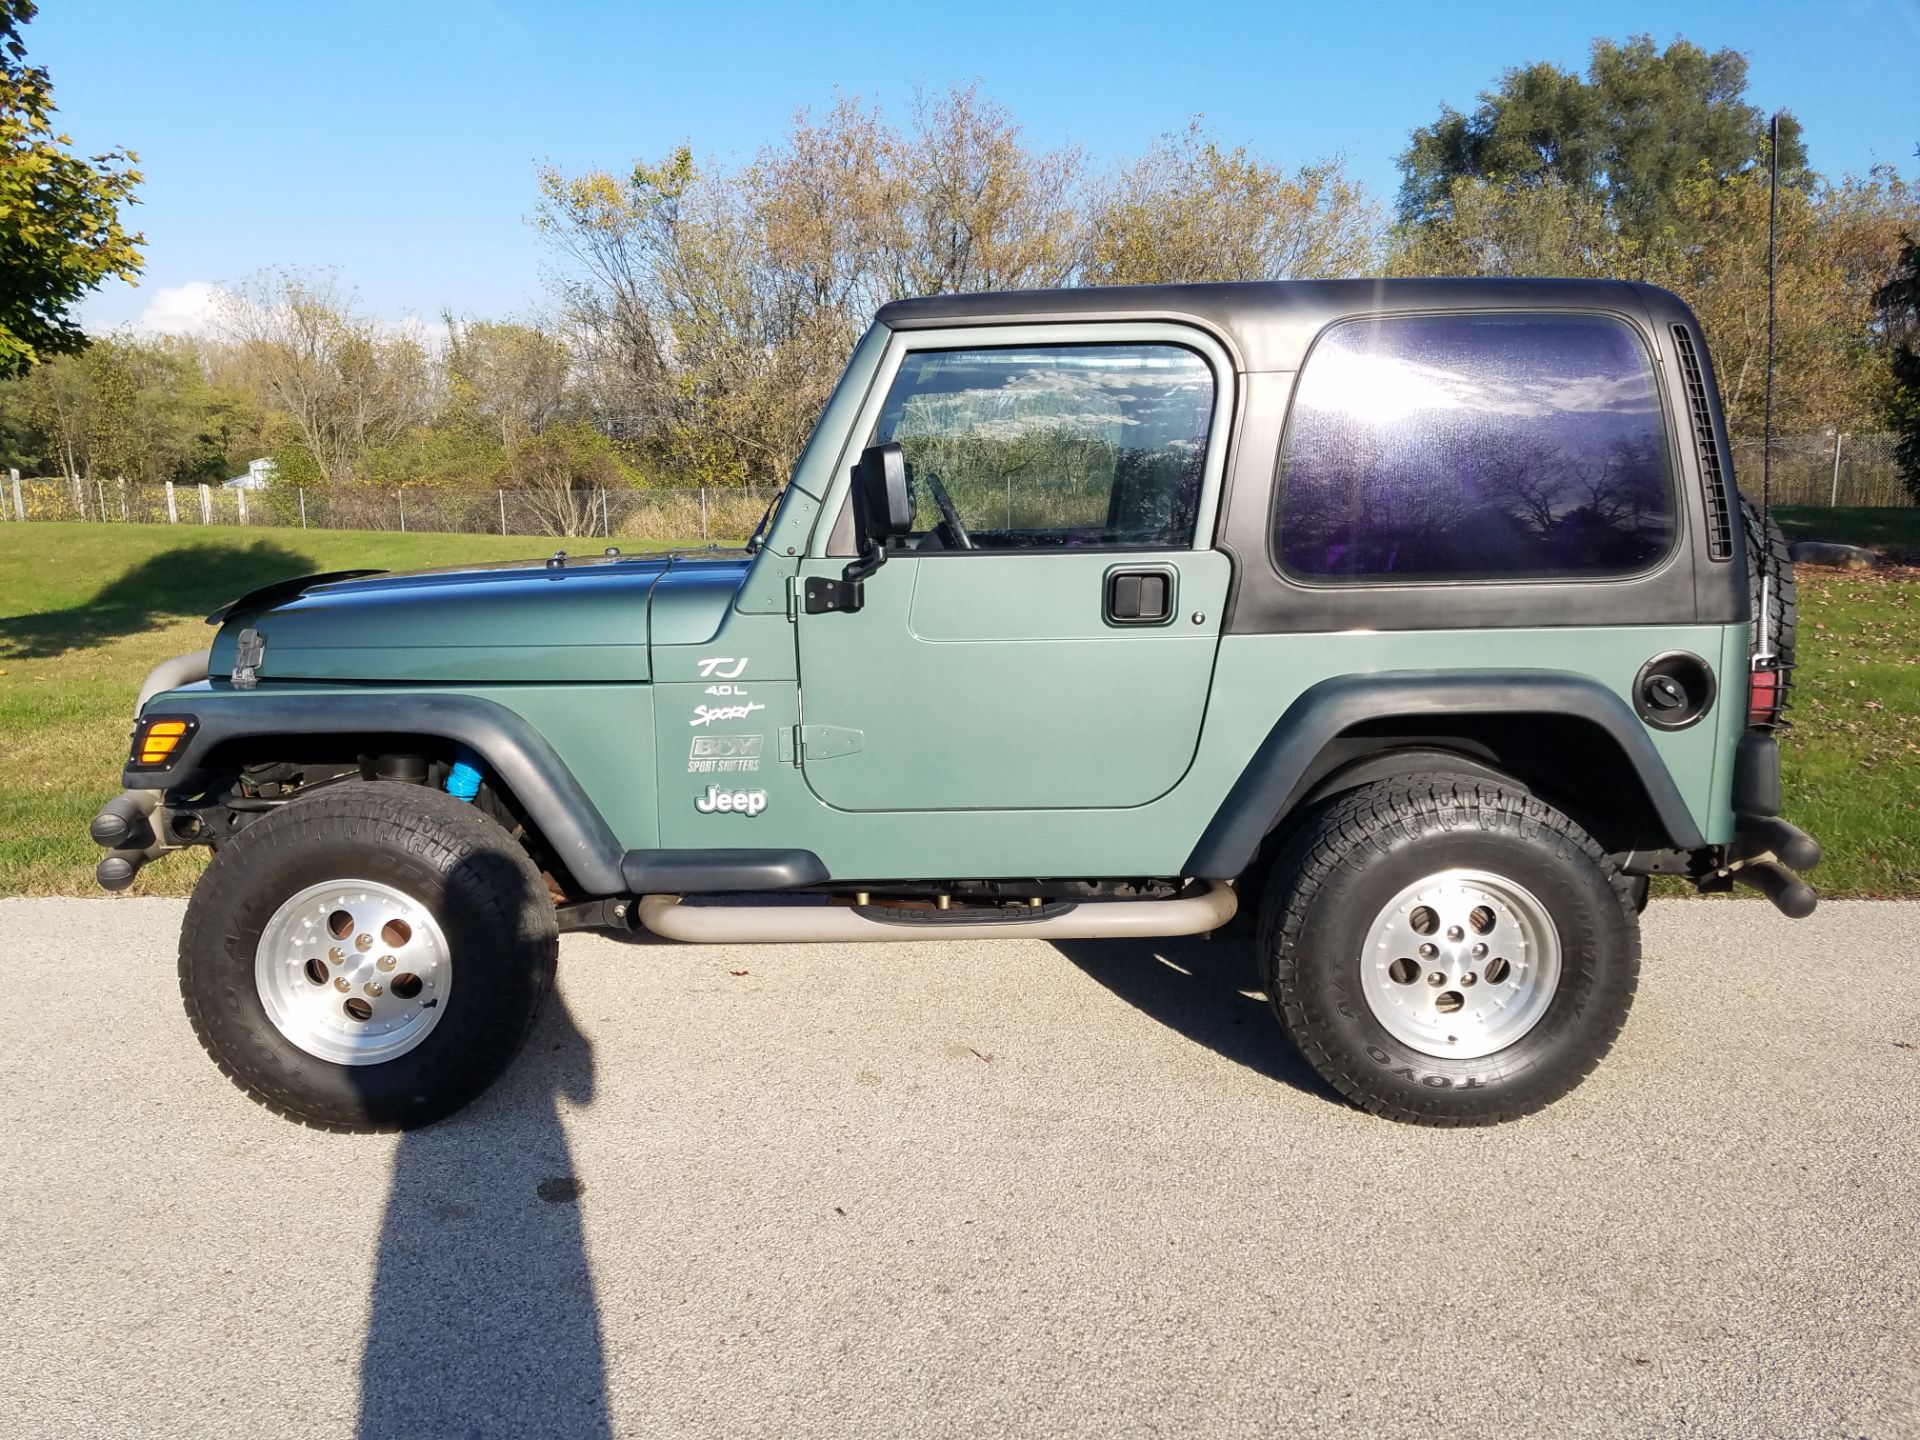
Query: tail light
point(1763, 695)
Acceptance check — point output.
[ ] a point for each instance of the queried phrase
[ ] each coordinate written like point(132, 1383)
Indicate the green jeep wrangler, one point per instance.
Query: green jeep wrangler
point(1422, 620)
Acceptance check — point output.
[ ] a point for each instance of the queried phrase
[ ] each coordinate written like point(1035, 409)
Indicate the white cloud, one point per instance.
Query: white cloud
point(430, 335)
point(194, 309)
point(189, 309)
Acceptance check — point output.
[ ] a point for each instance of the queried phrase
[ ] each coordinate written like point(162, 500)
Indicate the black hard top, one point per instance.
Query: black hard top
point(1270, 323)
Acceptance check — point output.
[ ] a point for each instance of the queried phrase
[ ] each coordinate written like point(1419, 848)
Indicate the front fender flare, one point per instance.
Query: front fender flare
point(523, 759)
point(1259, 799)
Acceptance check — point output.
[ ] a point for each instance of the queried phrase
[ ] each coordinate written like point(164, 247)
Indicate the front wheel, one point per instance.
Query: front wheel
point(370, 958)
point(1449, 951)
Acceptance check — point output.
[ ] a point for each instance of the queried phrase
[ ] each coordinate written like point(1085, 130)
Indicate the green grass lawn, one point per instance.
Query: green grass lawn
point(87, 610)
point(1886, 529)
point(1852, 758)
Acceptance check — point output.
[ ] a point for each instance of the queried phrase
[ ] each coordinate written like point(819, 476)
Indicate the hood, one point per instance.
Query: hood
point(515, 622)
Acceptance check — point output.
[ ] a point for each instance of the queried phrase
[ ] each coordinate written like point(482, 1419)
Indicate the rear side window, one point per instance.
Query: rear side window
point(1474, 447)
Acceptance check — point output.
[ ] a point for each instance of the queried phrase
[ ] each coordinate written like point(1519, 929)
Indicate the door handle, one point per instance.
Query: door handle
point(1140, 595)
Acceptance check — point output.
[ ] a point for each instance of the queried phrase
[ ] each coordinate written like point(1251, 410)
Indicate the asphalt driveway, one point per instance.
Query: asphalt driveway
point(970, 1190)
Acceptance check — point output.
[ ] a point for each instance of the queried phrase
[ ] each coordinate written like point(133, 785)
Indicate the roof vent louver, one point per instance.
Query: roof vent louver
point(1713, 477)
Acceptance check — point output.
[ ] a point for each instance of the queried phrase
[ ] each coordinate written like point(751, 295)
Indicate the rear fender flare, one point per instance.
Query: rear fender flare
point(1269, 788)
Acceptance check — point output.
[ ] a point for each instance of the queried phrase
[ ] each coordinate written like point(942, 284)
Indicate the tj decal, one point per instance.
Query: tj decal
point(722, 753)
point(723, 669)
point(735, 802)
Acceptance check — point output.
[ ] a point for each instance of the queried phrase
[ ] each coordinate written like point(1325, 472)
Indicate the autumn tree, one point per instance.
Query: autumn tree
point(1626, 138)
point(344, 384)
point(970, 205)
point(1190, 210)
point(511, 376)
point(1654, 168)
point(1899, 302)
point(716, 307)
point(1550, 228)
point(60, 230)
point(1836, 244)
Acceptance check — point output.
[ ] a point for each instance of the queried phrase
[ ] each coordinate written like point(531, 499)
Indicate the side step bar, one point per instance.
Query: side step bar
point(845, 924)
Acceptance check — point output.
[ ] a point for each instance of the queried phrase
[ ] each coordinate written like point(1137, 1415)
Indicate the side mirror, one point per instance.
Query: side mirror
point(882, 505)
point(882, 509)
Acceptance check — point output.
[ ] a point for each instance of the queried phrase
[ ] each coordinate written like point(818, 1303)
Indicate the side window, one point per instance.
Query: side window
point(1052, 447)
point(1474, 447)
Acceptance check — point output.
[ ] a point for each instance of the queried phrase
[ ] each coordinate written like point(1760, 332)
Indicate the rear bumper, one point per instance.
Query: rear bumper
point(1767, 853)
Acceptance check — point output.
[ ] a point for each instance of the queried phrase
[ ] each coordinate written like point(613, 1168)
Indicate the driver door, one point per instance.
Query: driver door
point(1044, 638)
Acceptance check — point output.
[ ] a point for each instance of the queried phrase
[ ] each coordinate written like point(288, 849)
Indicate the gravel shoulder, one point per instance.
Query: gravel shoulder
point(967, 1190)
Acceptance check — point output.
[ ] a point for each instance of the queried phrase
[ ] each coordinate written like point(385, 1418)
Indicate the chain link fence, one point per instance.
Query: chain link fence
point(1825, 470)
point(708, 514)
point(1837, 468)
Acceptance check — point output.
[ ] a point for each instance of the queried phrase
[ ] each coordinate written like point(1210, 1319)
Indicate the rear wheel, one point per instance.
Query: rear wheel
point(1449, 951)
point(370, 958)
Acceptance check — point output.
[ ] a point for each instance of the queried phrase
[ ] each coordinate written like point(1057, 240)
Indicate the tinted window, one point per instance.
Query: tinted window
point(1494, 446)
point(1054, 447)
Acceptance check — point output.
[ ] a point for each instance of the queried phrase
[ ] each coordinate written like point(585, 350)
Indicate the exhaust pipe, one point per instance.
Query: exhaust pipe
point(790, 924)
point(126, 826)
point(117, 868)
point(1791, 895)
point(126, 821)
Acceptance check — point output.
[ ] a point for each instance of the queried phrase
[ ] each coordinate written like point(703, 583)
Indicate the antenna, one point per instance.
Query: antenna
point(1765, 647)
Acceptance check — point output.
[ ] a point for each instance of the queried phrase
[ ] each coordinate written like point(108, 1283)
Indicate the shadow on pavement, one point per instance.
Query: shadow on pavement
point(484, 1321)
point(1207, 990)
point(192, 580)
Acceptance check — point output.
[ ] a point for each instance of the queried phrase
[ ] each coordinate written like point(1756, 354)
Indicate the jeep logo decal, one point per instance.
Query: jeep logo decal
point(737, 802)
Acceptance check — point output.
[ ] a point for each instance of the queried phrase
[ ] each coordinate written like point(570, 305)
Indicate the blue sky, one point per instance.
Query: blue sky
point(396, 142)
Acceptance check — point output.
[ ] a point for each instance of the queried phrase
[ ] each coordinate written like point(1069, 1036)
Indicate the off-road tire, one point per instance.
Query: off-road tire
point(1768, 560)
point(482, 891)
point(1362, 849)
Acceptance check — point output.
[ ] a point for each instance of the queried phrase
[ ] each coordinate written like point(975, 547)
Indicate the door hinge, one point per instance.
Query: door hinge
point(793, 599)
point(803, 743)
point(826, 595)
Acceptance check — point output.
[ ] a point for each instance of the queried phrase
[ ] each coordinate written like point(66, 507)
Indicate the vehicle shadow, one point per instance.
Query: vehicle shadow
point(1208, 990)
point(484, 1320)
point(190, 581)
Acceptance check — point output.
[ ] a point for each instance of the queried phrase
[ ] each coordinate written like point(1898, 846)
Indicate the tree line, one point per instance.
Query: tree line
point(701, 311)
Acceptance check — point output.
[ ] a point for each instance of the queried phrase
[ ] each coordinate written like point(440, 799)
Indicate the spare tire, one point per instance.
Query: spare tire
point(1770, 585)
